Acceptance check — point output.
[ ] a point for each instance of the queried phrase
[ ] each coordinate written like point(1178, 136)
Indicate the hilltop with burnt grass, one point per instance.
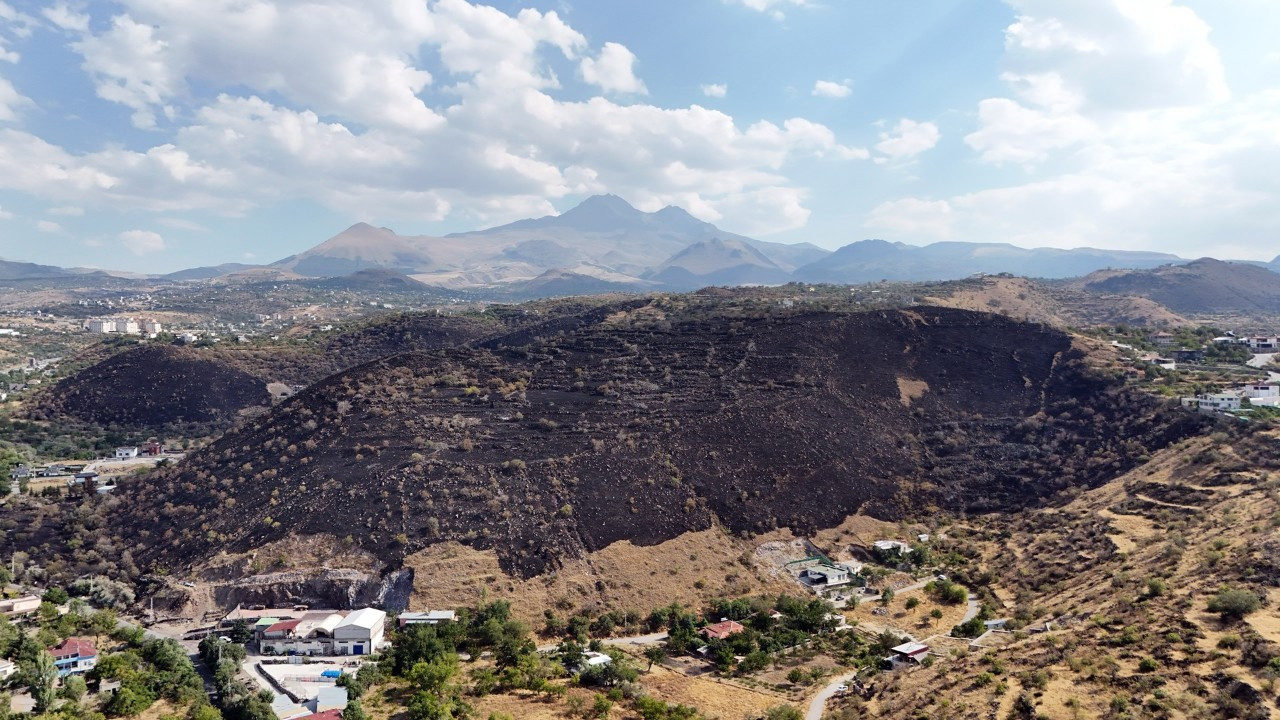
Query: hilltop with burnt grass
point(649, 419)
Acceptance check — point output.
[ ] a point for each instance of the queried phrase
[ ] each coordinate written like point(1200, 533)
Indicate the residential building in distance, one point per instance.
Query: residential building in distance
point(128, 326)
point(152, 327)
point(723, 629)
point(124, 453)
point(25, 605)
point(75, 656)
point(824, 576)
point(910, 652)
point(1215, 402)
point(101, 325)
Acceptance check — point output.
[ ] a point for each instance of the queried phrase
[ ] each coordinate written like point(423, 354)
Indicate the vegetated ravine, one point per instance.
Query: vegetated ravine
point(641, 426)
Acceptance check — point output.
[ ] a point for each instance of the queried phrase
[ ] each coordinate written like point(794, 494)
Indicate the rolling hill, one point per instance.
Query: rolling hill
point(1205, 286)
point(153, 386)
point(642, 423)
point(874, 260)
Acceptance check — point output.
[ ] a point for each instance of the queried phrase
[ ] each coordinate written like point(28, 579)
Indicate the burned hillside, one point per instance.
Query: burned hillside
point(642, 427)
point(153, 386)
point(161, 386)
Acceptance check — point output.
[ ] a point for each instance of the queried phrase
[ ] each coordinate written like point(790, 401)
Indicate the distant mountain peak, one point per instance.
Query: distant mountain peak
point(610, 201)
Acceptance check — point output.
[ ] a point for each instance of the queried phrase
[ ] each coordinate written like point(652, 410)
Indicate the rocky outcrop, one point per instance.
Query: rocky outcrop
point(338, 588)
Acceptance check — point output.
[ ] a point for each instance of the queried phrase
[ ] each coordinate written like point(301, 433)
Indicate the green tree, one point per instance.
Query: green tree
point(655, 654)
point(783, 712)
point(354, 711)
point(601, 707)
point(131, 699)
point(204, 711)
point(886, 597)
point(433, 676)
point(240, 632)
point(55, 595)
point(74, 687)
point(755, 661)
point(1234, 604)
point(42, 675)
point(936, 614)
point(913, 602)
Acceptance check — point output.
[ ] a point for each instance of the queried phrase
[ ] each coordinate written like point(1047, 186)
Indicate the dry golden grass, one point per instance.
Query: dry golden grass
point(715, 699)
point(916, 623)
point(1015, 297)
point(524, 705)
point(622, 576)
point(1266, 622)
point(855, 530)
point(910, 390)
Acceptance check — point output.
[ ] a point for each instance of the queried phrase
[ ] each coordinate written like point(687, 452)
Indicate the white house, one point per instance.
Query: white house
point(1214, 402)
point(825, 576)
point(1260, 391)
point(910, 652)
point(188, 338)
point(7, 669)
point(592, 659)
point(891, 547)
point(128, 326)
point(124, 453)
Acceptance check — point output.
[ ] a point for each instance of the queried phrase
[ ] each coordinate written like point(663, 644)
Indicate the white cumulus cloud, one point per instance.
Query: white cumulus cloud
point(908, 139)
point(913, 218)
point(1122, 132)
point(715, 90)
point(425, 111)
point(773, 7)
point(830, 89)
point(48, 226)
point(66, 18)
point(613, 71)
point(142, 242)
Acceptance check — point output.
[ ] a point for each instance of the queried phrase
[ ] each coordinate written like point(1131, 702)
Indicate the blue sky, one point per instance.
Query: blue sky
point(152, 135)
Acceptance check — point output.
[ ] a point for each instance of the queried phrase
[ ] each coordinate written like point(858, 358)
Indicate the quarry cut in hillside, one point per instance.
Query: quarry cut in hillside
point(153, 386)
point(633, 426)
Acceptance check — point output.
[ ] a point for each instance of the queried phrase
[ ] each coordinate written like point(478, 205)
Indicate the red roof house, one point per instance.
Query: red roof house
point(722, 629)
point(74, 655)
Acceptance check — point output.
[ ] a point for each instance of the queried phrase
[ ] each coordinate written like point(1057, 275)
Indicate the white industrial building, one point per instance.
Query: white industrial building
point(360, 632)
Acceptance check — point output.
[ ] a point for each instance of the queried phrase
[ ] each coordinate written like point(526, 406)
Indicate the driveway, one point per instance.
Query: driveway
point(818, 705)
